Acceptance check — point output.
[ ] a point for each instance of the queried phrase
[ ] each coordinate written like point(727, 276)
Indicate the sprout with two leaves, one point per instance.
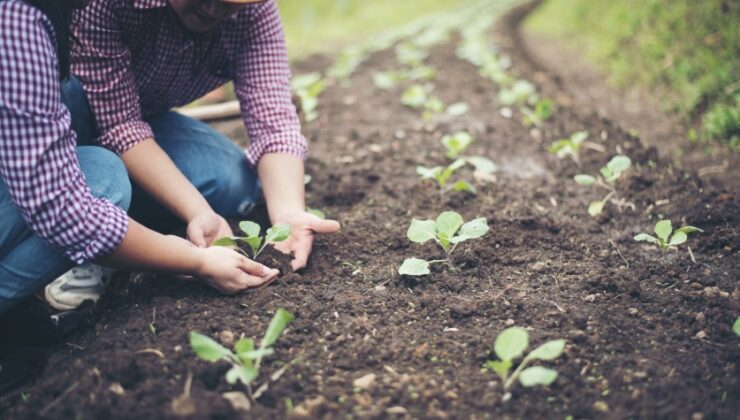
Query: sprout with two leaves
point(419, 97)
point(667, 238)
point(257, 243)
point(245, 359)
point(610, 173)
point(571, 147)
point(442, 174)
point(448, 231)
point(510, 345)
point(542, 112)
point(456, 143)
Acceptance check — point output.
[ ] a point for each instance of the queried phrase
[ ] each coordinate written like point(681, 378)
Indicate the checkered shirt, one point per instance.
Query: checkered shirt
point(136, 59)
point(38, 159)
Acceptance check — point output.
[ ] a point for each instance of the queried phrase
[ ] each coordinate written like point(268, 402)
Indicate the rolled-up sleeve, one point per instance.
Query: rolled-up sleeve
point(262, 85)
point(38, 159)
point(102, 63)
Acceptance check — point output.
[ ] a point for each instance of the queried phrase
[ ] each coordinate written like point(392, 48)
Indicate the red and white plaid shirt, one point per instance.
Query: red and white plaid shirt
point(38, 159)
point(136, 59)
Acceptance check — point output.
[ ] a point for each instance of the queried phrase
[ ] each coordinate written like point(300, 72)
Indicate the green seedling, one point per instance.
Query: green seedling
point(607, 179)
point(252, 238)
point(442, 174)
point(448, 231)
point(346, 63)
point(510, 345)
point(667, 238)
point(456, 143)
point(410, 54)
point(308, 87)
point(542, 112)
point(419, 97)
point(569, 147)
point(736, 327)
point(457, 109)
point(245, 359)
point(520, 93)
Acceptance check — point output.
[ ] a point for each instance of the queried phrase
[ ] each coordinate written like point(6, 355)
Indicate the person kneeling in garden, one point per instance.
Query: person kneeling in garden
point(133, 61)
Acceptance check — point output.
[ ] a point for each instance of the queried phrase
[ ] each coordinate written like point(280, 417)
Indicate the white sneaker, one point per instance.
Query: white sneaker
point(71, 289)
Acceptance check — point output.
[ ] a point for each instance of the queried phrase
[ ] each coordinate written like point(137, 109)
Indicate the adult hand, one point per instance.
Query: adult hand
point(206, 227)
point(303, 227)
point(230, 272)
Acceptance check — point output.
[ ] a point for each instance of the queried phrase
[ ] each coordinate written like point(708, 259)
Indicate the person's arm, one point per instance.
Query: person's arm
point(39, 166)
point(102, 62)
point(277, 148)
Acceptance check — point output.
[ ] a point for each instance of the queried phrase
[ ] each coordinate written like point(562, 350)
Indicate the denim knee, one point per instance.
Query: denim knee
point(106, 175)
point(233, 190)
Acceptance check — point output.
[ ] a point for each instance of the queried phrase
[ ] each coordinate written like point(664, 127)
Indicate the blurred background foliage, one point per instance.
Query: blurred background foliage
point(687, 50)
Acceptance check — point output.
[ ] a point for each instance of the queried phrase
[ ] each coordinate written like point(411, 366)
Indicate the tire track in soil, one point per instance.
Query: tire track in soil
point(545, 265)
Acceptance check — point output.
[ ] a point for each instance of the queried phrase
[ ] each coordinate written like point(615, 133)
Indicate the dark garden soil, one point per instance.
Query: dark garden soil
point(648, 336)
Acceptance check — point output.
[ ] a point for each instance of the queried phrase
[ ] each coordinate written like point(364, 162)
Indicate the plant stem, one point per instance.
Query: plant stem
point(515, 375)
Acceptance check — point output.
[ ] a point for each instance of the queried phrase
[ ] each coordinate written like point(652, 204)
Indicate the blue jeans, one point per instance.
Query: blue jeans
point(212, 163)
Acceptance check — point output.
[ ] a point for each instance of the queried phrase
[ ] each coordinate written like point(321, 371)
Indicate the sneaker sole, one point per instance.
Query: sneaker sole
point(61, 305)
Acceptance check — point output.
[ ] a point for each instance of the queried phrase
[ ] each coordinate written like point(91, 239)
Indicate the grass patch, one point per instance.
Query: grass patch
point(685, 49)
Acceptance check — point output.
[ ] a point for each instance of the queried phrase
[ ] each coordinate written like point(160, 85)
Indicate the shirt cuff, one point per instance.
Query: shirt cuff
point(286, 143)
point(110, 226)
point(124, 136)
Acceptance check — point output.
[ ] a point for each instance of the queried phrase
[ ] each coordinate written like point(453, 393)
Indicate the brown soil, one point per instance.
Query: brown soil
point(648, 336)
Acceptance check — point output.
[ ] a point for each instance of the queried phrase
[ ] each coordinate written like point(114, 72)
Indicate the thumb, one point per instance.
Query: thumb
point(196, 236)
point(325, 226)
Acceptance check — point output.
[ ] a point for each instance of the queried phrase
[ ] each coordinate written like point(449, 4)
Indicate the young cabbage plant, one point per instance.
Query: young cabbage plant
point(410, 54)
point(510, 345)
point(607, 179)
point(257, 243)
point(667, 238)
point(449, 230)
point(308, 87)
point(542, 112)
point(569, 147)
point(419, 97)
point(456, 143)
point(520, 93)
point(245, 359)
point(442, 174)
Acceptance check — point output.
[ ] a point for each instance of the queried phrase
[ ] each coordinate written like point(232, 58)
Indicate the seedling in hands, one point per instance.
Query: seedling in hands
point(457, 143)
point(510, 345)
point(610, 173)
point(664, 240)
point(257, 243)
point(245, 359)
point(448, 231)
point(442, 175)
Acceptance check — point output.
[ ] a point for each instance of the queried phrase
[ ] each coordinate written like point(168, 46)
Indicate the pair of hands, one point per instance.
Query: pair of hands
point(229, 272)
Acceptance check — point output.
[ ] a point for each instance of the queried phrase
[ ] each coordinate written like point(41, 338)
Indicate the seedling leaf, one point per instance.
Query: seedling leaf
point(579, 137)
point(688, 229)
point(678, 238)
point(663, 229)
point(471, 230)
point(225, 241)
point(255, 354)
point(414, 267)
point(501, 367)
point(584, 179)
point(426, 173)
point(254, 243)
point(644, 237)
point(279, 321)
point(457, 109)
point(619, 164)
point(457, 143)
point(537, 375)
point(595, 208)
point(736, 327)
point(447, 224)
point(548, 351)
point(421, 231)
point(463, 185)
point(482, 164)
point(511, 343)
point(243, 374)
point(250, 229)
point(277, 233)
point(207, 348)
point(244, 345)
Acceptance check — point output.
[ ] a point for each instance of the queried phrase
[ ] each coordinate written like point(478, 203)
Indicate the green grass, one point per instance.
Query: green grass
point(687, 50)
point(325, 26)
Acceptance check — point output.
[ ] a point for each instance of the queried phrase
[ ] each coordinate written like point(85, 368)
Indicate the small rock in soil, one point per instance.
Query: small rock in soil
point(238, 401)
point(226, 338)
point(601, 407)
point(365, 382)
point(700, 317)
point(701, 335)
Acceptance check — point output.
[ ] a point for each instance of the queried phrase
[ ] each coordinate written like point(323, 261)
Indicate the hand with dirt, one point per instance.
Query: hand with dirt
point(230, 272)
point(206, 227)
point(303, 227)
